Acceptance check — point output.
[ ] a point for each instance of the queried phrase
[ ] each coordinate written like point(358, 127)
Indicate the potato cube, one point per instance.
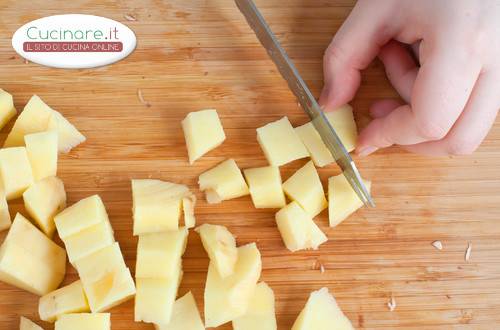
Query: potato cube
point(322, 313)
point(4, 213)
point(66, 300)
point(29, 260)
point(342, 120)
point(223, 182)
point(155, 298)
point(185, 315)
point(15, 172)
point(343, 200)
point(188, 204)
point(7, 109)
point(265, 187)
point(89, 240)
point(43, 201)
point(84, 321)
point(42, 153)
point(260, 313)
point(228, 298)
point(39, 117)
point(305, 187)
point(159, 254)
point(280, 142)
point(27, 324)
point(320, 154)
point(220, 246)
point(156, 205)
point(106, 279)
point(298, 229)
point(203, 132)
point(81, 215)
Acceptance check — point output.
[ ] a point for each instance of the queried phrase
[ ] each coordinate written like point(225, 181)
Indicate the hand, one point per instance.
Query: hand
point(452, 96)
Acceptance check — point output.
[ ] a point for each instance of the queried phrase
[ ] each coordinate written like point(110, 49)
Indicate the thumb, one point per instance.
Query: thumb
point(356, 44)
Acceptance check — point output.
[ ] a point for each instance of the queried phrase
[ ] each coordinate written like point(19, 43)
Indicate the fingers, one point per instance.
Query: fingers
point(356, 44)
point(400, 67)
point(472, 126)
point(441, 90)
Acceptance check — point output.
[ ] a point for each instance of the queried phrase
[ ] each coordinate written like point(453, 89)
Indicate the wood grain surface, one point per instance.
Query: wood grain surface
point(197, 54)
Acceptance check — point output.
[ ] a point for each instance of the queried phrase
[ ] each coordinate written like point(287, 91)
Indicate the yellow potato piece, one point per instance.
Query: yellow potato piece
point(185, 315)
point(84, 321)
point(5, 221)
point(223, 182)
point(265, 187)
point(42, 153)
point(7, 109)
point(220, 246)
point(15, 172)
point(66, 300)
point(260, 313)
point(27, 324)
point(89, 240)
point(343, 201)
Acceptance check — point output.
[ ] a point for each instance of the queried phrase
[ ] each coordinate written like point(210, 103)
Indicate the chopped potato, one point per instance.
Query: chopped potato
point(343, 200)
point(260, 314)
point(42, 153)
point(16, 174)
point(89, 240)
point(185, 315)
point(7, 109)
point(265, 187)
point(220, 246)
point(342, 120)
point(84, 321)
point(318, 151)
point(66, 300)
point(223, 182)
point(188, 204)
point(5, 221)
point(27, 324)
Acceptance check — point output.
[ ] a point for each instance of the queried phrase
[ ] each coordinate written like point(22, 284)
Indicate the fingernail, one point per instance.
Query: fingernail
point(366, 151)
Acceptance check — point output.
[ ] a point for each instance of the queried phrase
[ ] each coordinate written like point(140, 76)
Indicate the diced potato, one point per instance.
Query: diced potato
point(320, 154)
point(156, 205)
point(305, 187)
point(185, 315)
point(106, 279)
point(265, 187)
point(342, 120)
point(343, 200)
point(203, 132)
point(15, 172)
point(298, 229)
point(159, 254)
point(220, 246)
point(29, 260)
point(27, 324)
point(4, 213)
point(188, 204)
point(280, 142)
point(84, 321)
point(7, 109)
point(322, 313)
point(260, 313)
point(81, 215)
point(42, 153)
point(223, 182)
point(43, 201)
point(66, 300)
point(228, 298)
point(89, 240)
point(155, 298)
point(39, 117)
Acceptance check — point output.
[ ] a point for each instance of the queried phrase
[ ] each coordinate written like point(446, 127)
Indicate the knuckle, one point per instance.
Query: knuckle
point(431, 131)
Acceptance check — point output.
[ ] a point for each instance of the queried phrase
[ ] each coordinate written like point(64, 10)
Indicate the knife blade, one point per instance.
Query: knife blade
point(306, 99)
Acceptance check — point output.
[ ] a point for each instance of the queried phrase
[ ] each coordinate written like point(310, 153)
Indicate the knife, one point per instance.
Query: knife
point(305, 98)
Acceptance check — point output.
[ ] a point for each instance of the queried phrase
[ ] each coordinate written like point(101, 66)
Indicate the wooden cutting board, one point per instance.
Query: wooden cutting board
point(198, 54)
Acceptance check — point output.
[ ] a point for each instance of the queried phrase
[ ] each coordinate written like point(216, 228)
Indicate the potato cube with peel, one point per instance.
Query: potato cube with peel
point(220, 246)
point(342, 120)
point(7, 109)
point(305, 187)
point(16, 174)
point(155, 298)
point(280, 142)
point(318, 151)
point(265, 187)
point(43, 201)
point(39, 117)
point(298, 229)
point(106, 280)
point(159, 254)
point(223, 182)
point(260, 314)
point(42, 153)
point(81, 215)
point(188, 204)
point(4, 213)
point(157, 205)
point(27, 324)
point(84, 321)
point(29, 260)
point(227, 298)
point(89, 240)
point(322, 313)
point(203, 132)
point(343, 200)
point(185, 315)
point(66, 300)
